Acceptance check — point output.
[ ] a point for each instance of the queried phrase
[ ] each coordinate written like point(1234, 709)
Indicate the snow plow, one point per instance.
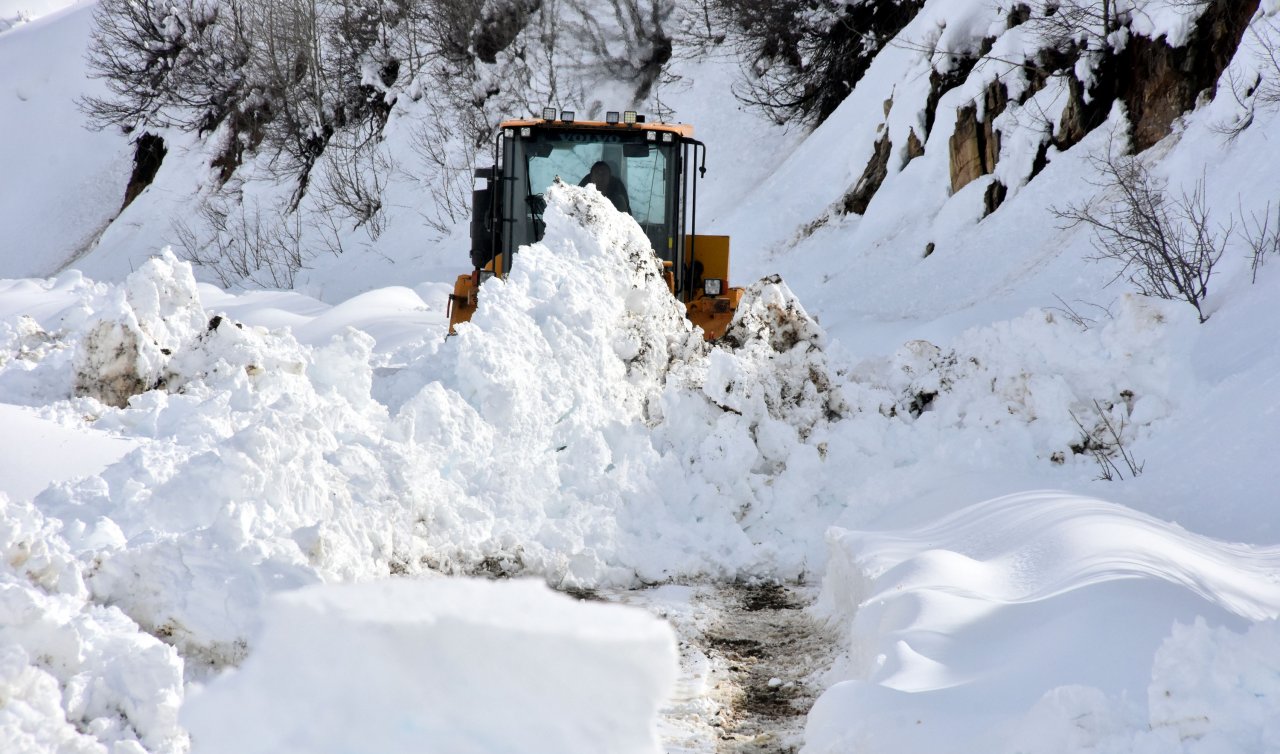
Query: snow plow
point(645, 169)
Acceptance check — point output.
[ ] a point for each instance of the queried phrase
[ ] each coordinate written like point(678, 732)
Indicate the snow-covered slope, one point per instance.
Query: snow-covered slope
point(198, 454)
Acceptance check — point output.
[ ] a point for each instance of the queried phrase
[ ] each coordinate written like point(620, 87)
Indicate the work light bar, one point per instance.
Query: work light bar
point(548, 113)
point(629, 117)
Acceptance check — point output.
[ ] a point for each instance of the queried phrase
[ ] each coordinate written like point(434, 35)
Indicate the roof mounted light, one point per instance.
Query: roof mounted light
point(629, 117)
point(548, 113)
point(566, 116)
point(667, 136)
point(611, 117)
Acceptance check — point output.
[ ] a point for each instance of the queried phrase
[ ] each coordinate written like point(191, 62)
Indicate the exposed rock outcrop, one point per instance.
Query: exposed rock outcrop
point(993, 197)
point(148, 153)
point(858, 197)
point(915, 148)
point(975, 143)
point(1158, 82)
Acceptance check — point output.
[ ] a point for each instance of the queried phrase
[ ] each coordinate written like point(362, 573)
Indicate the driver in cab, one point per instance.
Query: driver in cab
point(602, 177)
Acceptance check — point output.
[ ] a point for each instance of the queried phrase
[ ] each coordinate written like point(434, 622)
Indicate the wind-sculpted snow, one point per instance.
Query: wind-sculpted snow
point(1034, 547)
point(974, 616)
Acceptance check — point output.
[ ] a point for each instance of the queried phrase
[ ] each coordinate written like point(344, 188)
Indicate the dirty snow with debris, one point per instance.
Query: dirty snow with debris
point(206, 494)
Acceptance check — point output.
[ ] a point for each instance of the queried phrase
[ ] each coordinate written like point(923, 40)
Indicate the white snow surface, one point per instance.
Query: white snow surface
point(246, 499)
point(441, 665)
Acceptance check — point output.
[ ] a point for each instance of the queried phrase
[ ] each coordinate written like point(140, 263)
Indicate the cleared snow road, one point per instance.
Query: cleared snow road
point(752, 660)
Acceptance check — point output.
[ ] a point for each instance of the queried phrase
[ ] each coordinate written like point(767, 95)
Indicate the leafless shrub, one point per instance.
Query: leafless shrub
point(1104, 441)
point(1076, 317)
point(1267, 32)
point(447, 162)
point(244, 245)
point(1262, 234)
point(1261, 87)
point(354, 181)
point(1243, 93)
point(1166, 247)
point(631, 44)
point(701, 26)
point(1066, 23)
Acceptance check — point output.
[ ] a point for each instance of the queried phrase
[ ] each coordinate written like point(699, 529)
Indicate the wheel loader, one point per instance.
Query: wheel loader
point(654, 163)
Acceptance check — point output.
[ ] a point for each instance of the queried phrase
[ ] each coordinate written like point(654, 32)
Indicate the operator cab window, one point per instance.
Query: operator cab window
point(643, 167)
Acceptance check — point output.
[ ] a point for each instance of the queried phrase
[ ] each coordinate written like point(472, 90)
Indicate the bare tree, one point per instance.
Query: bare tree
point(1166, 246)
point(172, 63)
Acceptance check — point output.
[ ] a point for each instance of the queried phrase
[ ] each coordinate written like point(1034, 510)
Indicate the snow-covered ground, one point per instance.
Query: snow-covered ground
point(225, 515)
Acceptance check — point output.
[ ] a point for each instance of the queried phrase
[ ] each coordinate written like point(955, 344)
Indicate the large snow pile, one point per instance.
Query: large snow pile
point(576, 429)
point(444, 665)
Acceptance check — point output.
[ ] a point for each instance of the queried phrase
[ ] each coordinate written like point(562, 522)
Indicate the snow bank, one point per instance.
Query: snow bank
point(75, 676)
point(965, 622)
point(456, 666)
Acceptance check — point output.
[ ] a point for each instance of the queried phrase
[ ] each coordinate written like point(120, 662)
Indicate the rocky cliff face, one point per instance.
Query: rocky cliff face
point(1158, 82)
point(1155, 78)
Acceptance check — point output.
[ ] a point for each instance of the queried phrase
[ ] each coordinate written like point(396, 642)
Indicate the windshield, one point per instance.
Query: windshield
point(633, 178)
point(637, 175)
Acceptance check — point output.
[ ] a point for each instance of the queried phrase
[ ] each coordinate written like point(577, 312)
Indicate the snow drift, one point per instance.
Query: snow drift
point(1054, 612)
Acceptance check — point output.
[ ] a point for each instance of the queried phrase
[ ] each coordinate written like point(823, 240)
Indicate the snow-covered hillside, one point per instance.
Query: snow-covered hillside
point(1040, 509)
